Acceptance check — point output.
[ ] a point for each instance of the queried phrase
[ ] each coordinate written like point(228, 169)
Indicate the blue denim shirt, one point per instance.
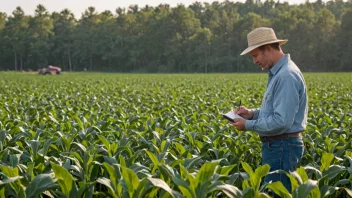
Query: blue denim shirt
point(284, 107)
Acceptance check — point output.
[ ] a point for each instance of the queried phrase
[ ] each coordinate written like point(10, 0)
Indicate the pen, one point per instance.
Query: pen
point(238, 105)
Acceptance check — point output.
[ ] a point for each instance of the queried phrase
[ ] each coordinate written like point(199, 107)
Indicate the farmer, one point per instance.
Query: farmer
point(283, 113)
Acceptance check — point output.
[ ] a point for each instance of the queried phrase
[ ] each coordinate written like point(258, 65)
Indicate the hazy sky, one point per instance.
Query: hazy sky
point(79, 6)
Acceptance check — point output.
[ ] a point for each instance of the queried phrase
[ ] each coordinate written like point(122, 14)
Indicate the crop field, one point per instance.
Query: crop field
point(134, 135)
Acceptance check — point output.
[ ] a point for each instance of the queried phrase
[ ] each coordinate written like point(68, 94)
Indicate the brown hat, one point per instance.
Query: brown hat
point(261, 36)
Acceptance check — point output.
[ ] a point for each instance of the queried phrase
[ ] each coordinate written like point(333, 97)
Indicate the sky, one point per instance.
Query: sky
point(79, 6)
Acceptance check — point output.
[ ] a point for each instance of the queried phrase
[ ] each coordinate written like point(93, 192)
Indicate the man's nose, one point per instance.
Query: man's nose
point(254, 61)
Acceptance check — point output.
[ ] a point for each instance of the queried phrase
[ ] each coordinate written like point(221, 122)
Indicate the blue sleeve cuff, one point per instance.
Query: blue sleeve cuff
point(249, 125)
point(255, 113)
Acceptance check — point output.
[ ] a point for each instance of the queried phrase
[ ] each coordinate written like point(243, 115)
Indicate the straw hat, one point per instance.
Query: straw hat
point(261, 36)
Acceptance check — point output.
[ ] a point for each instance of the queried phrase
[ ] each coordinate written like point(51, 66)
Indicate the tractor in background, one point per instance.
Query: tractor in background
point(50, 70)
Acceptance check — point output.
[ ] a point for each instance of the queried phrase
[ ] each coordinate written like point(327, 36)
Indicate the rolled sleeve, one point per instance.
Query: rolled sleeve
point(249, 125)
point(255, 113)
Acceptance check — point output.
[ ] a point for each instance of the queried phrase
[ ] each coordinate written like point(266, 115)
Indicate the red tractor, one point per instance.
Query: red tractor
point(50, 70)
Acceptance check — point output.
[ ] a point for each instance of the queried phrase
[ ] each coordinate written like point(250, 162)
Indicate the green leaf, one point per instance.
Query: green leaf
point(279, 189)
point(46, 146)
point(131, 179)
point(3, 135)
point(246, 184)
point(256, 178)
point(317, 173)
point(326, 161)
point(9, 171)
point(205, 172)
point(164, 145)
point(104, 141)
point(303, 190)
point(248, 192)
point(35, 144)
point(261, 171)
point(230, 191)
point(65, 180)
point(315, 192)
point(302, 173)
point(9, 180)
point(333, 171)
point(108, 183)
point(114, 175)
point(30, 167)
point(144, 186)
point(179, 148)
point(295, 180)
point(184, 187)
point(166, 171)
point(190, 163)
point(14, 159)
point(10, 176)
point(326, 190)
point(186, 175)
point(247, 168)
point(343, 182)
point(225, 170)
point(122, 161)
point(154, 160)
point(86, 189)
point(161, 184)
point(40, 184)
point(81, 146)
point(53, 119)
point(79, 123)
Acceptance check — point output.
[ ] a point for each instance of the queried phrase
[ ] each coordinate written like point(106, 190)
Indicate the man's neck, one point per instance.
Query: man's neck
point(277, 56)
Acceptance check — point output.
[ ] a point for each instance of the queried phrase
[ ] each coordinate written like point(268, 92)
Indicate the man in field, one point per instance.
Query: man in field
point(283, 113)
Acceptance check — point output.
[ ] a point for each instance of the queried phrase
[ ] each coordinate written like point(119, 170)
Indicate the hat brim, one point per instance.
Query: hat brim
point(249, 49)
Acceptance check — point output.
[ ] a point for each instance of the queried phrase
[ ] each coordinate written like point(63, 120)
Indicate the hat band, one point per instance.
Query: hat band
point(263, 42)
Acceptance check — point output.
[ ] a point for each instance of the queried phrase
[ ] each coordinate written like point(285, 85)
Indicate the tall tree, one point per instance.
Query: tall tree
point(2, 20)
point(301, 22)
point(155, 40)
point(106, 33)
point(325, 32)
point(345, 42)
point(182, 26)
point(41, 28)
point(198, 51)
point(128, 38)
point(17, 36)
point(86, 38)
point(198, 10)
point(64, 24)
point(3, 48)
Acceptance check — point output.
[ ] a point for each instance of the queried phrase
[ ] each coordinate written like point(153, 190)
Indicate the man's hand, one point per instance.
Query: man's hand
point(244, 112)
point(239, 124)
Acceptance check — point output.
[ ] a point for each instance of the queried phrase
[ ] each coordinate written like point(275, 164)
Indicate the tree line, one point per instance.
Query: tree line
point(202, 38)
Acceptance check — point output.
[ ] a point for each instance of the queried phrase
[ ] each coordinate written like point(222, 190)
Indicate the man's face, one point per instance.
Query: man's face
point(262, 58)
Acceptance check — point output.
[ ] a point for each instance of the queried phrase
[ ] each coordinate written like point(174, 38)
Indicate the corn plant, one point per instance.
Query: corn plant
point(131, 135)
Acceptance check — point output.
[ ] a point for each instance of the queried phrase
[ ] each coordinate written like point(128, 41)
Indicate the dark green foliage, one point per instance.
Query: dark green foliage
point(201, 38)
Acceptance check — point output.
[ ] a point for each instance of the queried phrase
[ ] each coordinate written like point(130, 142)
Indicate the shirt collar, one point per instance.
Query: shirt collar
point(279, 64)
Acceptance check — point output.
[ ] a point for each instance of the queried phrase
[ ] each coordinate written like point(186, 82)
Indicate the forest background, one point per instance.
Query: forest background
point(199, 38)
